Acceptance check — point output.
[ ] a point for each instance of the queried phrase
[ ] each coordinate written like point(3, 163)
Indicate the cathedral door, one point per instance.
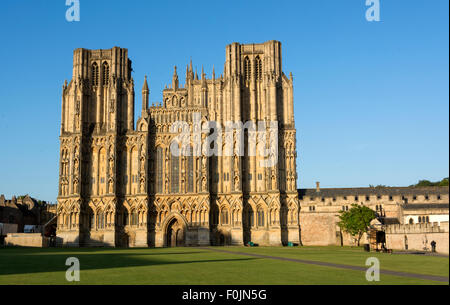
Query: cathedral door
point(175, 234)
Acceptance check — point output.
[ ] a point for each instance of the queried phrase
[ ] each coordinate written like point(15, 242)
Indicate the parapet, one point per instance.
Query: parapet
point(417, 228)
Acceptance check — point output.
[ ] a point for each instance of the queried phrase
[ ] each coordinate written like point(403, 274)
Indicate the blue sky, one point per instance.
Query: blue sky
point(371, 99)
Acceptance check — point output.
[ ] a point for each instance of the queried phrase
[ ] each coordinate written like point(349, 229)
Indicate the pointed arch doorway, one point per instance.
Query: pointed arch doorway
point(175, 234)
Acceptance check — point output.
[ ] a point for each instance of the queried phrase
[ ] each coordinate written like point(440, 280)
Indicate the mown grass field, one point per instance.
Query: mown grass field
point(197, 266)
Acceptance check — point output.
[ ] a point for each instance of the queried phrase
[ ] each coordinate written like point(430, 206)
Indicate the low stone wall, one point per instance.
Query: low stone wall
point(321, 229)
point(318, 229)
point(26, 240)
point(418, 237)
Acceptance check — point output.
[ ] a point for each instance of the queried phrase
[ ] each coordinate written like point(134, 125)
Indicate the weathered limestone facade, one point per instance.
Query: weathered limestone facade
point(122, 186)
point(26, 240)
point(418, 236)
point(396, 207)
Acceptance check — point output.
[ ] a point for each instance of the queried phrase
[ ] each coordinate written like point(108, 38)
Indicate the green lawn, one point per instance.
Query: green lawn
point(199, 266)
point(355, 256)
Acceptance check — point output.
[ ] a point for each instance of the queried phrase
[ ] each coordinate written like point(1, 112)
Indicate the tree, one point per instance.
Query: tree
point(356, 221)
point(443, 182)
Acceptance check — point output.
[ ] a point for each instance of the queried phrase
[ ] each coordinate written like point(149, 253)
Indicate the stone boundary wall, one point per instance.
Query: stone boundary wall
point(417, 228)
point(26, 240)
point(418, 237)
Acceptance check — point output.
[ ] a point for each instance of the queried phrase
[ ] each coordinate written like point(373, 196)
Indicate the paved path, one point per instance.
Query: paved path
point(421, 253)
point(333, 265)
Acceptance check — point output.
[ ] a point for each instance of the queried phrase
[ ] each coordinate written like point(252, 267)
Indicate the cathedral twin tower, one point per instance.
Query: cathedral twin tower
point(121, 185)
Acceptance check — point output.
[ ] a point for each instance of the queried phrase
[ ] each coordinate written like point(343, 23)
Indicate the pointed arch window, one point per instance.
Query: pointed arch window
point(159, 169)
point(134, 218)
point(175, 174)
point(105, 73)
point(134, 170)
point(260, 217)
point(101, 220)
point(95, 74)
point(190, 172)
point(258, 68)
point(224, 216)
point(247, 68)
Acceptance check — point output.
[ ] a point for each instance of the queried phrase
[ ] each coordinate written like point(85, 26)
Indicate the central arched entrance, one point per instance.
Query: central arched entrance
point(175, 234)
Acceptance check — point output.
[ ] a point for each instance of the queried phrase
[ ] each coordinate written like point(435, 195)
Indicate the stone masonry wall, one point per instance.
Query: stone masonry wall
point(418, 237)
point(26, 240)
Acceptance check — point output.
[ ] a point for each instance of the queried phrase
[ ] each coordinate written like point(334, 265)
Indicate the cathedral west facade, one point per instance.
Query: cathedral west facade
point(121, 184)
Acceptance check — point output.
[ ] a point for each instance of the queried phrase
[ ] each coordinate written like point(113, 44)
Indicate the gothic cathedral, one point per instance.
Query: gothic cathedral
point(121, 185)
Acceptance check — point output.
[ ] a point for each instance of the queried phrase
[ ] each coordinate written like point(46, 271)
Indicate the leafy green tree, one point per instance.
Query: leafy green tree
point(356, 220)
point(381, 186)
point(425, 183)
point(443, 182)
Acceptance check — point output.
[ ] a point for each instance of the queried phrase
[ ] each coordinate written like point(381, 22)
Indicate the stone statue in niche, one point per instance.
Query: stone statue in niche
point(75, 166)
point(111, 165)
point(111, 185)
point(236, 163)
point(75, 186)
point(204, 184)
point(142, 185)
point(236, 183)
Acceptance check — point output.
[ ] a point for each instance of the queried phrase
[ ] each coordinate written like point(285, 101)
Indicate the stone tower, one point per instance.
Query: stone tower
point(97, 115)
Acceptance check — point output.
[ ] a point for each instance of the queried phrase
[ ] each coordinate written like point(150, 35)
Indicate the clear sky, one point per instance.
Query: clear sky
point(371, 99)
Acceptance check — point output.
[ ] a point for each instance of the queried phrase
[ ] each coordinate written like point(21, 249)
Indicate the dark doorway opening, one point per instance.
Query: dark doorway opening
point(175, 234)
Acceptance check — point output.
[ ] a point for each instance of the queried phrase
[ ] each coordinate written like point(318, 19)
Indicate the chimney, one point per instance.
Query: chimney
point(317, 186)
